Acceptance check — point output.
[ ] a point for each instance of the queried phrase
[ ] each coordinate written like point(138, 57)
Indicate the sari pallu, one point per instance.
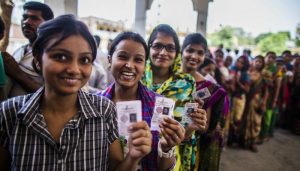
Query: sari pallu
point(270, 116)
point(209, 144)
point(237, 109)
point(179, 87)
point(252, 117)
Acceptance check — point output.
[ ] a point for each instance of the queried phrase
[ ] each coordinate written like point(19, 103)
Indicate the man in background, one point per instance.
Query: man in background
point(21, 68)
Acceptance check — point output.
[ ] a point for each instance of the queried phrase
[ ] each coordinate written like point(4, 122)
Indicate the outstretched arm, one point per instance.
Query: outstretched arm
point(13, 70)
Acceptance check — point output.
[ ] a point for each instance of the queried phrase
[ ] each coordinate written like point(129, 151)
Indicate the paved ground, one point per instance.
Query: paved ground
point(281, 153)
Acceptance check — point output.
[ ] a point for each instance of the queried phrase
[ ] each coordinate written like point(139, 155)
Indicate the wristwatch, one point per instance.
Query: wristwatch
point(169, 154)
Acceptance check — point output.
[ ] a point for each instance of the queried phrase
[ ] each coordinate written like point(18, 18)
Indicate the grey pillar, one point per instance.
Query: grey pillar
point(201, 6)
point(60, 7)
point(201, 22)
point(71, 7)
point(140, 17)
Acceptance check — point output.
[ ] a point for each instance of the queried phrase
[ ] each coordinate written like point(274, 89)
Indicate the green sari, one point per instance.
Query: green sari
point(179, 87)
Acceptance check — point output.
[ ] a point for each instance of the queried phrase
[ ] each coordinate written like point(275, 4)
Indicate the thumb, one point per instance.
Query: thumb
point(200, 102)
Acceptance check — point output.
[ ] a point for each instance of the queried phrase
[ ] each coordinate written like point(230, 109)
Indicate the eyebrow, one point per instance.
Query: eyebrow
point(66, 51)
point(123, 51)
point(195, 49)
point(168, 44)
point(29, 16)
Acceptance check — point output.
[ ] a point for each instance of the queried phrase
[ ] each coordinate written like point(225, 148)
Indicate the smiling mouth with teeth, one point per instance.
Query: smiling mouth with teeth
point(71, 81)
point(194, 62)
point(162, 59)
point(128, 73)
point(127, 76)
point(71, 78)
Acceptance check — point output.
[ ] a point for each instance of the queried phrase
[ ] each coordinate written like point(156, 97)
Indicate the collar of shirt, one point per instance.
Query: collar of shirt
point(32, 106)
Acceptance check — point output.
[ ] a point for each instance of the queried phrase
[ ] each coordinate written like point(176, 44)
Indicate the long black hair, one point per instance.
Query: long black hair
point(59, 29)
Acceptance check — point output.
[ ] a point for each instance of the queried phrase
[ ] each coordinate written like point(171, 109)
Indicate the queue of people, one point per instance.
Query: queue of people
point(58, 109)
point(263, 94)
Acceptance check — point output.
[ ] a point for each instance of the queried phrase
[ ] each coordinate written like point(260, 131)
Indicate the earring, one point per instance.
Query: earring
point(36, 65)
point(109, 62)
point(109, 67)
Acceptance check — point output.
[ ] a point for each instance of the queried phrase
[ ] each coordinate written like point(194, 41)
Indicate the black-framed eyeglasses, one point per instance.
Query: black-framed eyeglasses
point(160, 47)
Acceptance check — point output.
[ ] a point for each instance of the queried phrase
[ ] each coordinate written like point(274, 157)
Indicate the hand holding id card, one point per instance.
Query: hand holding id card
point(128, 112)
point(163, 108)
point(188, 109)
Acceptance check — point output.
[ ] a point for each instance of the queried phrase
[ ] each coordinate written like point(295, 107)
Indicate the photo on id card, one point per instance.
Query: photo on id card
point(128, 112)
point(163, 108)
point(201, 94)
point(188, 109)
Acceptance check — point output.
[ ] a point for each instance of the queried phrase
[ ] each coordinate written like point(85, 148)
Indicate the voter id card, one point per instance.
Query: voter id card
point(188, 109)
point(128, 112)
point(163, 108)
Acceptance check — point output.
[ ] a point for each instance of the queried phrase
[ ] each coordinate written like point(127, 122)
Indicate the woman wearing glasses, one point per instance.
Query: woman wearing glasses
point(163, 76)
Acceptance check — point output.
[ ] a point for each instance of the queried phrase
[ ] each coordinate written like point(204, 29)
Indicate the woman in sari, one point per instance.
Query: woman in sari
point(127, 59)
point(163, 76)
point(216, 104)
point(256, 100)
point(240, 87)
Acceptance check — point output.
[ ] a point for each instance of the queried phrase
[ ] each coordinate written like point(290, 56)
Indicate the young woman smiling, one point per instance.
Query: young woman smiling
point(216, 103)
point(163, 75)
point(127, 58)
